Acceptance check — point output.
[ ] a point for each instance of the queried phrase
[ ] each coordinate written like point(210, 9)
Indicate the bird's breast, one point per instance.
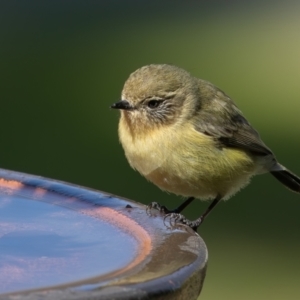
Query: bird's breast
point(186, 162)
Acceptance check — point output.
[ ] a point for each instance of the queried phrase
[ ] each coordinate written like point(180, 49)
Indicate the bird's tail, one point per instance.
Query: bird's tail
point(286, 177)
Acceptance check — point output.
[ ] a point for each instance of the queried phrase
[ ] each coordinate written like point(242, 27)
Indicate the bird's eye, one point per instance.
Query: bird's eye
point(153, 103)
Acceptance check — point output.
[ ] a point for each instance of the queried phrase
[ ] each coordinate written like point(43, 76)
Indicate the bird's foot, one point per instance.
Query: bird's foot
point(176, 219)
point(160, 208)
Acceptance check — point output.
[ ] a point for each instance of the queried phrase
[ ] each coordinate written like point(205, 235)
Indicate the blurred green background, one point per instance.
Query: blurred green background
point(62, 63)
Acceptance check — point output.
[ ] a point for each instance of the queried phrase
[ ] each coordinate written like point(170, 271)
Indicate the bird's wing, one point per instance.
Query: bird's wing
point(231, 130)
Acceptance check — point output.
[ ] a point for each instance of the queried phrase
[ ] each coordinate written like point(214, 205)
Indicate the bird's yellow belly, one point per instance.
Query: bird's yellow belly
point(193, 165)
point(206, 180)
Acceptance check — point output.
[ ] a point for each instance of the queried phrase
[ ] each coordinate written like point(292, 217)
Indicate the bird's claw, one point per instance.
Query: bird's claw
point(176, 219)
point(157, 206)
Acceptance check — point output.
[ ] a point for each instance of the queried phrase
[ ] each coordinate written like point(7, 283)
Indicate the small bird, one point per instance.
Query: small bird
point(189, 138)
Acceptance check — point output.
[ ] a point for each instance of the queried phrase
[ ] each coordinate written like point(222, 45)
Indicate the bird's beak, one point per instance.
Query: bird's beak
point(123, 104)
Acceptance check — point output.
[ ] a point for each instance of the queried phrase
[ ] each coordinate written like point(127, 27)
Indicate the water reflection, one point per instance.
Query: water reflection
point(43, 244)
